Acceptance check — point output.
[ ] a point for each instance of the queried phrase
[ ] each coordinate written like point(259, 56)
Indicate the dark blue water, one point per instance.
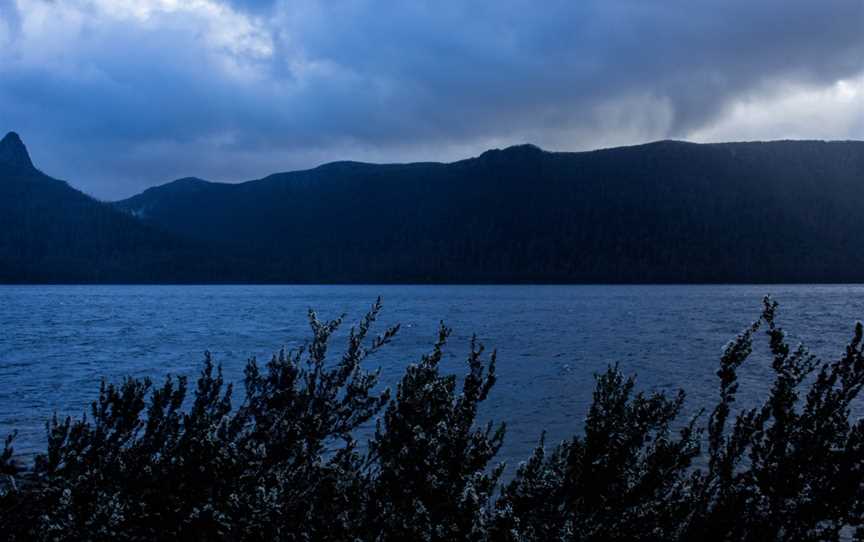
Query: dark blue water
point(57, 342)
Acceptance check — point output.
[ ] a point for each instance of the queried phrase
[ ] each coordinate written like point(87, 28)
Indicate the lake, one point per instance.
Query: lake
point(57, 342)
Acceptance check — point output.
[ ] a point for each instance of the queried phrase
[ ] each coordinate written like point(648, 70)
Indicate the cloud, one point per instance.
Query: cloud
point(830, 112)
point(116, 95)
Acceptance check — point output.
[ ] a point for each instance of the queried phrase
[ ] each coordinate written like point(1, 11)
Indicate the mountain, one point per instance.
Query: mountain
point(50, 232)
point(13, 153)
point(670, 211)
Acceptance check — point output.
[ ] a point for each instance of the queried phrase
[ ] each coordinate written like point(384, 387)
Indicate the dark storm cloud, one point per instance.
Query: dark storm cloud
point(115, 99)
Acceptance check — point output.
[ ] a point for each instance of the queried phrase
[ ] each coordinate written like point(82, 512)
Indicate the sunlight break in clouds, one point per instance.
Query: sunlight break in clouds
point(833, 112)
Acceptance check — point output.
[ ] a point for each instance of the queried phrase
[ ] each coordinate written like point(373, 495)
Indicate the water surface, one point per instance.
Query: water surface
point(57, 342)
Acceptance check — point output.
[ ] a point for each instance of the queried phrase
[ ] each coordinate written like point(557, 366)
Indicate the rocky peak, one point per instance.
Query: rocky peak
point(13, 152)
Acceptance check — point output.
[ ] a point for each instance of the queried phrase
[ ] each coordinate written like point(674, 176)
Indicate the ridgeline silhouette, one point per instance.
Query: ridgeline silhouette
point(783, 211)
point(51, 232)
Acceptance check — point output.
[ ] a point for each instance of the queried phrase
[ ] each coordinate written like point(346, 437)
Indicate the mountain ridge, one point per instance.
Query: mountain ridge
point(661, 212)
point(665, 211)
point(344, 164)
point(51, 232)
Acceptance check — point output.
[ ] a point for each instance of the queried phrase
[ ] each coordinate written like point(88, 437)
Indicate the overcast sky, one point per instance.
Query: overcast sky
point(118, 95)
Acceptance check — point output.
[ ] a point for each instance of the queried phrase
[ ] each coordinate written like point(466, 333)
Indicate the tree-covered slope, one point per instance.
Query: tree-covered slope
point(50, 232)
point(662, 212)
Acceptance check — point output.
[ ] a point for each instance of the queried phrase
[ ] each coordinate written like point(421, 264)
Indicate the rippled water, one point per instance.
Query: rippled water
point(57, 342)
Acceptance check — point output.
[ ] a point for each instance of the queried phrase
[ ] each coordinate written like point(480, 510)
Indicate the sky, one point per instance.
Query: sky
point(115, 96)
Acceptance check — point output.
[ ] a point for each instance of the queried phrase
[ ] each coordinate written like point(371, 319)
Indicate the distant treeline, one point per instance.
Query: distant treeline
point(785, 211)
point(284, 465)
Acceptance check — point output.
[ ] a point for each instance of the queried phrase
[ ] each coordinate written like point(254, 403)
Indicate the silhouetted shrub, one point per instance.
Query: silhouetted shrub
point(792, 468)
point(284, 464)
point(429, 477)
point(626, 479)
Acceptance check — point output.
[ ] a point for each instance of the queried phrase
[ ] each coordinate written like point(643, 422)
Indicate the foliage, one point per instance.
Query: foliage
point(157, 462)
point(430, 479)
point(626, 479)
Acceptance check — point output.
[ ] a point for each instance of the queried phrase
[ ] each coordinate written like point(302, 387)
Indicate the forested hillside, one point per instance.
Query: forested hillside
point(50, 232)
point(785, 211)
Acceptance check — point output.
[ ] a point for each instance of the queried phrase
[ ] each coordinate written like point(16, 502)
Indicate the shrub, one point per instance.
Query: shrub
point(284, 464)
point(626, 479)
point(430, 478)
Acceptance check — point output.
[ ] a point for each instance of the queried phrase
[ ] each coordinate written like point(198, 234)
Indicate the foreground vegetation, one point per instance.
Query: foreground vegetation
point(147, 464)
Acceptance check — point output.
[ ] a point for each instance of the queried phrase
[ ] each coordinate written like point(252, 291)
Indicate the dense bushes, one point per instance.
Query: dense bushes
point(148, 464)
